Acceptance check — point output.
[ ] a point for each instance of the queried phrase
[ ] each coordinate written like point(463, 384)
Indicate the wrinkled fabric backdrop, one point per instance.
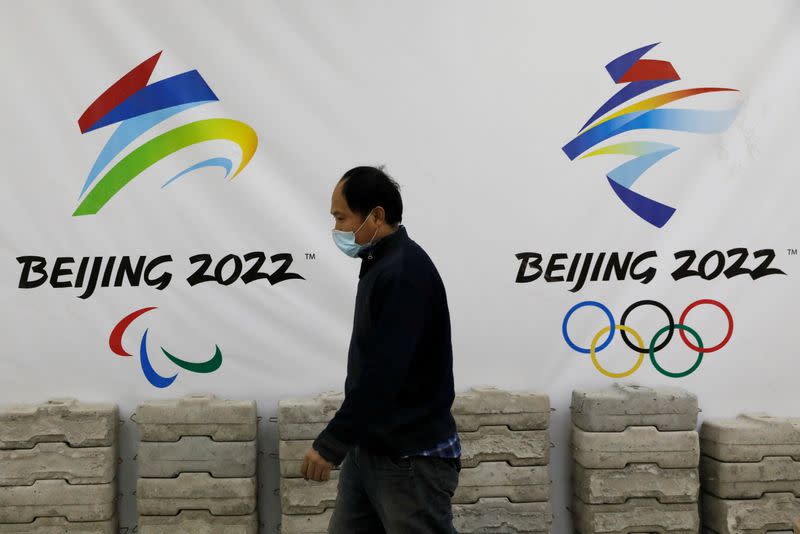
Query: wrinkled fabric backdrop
point(469, 105)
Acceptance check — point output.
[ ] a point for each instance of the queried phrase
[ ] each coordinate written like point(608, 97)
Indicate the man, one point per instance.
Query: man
point(394, 434)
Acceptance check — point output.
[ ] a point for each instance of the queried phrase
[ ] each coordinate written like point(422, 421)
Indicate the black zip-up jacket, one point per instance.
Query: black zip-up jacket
point(399, 386)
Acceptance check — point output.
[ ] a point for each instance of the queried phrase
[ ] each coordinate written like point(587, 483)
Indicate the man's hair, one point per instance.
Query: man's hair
point(367, 187)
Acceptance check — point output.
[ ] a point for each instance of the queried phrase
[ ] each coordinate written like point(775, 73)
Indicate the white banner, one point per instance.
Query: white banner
point(491, 116)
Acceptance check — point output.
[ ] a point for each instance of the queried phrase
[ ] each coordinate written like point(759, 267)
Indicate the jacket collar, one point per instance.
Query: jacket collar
point(371, 253)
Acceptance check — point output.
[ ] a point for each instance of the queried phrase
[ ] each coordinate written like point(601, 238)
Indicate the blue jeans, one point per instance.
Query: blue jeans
point(387, 494)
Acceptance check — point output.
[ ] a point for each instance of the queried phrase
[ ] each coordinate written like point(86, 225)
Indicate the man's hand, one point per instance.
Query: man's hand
point(315, 467)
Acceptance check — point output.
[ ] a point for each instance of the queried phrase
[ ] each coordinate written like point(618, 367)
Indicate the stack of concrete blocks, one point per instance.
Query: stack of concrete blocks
point(58, 464)
point(197, 466)
point(635, 461)
point(750, 472)
point(306, 505)
point(504, 484)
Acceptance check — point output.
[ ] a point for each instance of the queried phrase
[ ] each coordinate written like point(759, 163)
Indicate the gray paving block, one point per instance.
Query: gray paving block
point(499, 443)
point(499, 515)
point(196, 491)
point(198, 522)
point(305, 418)
point(491, 515)
point(488, 479)
point(197, 415)
point(750, 480)
point(635, 515)
point(615, 486)
point(303, 497)
point(488, 406)
point(50, 460)
point(306, 523)
point(59, 525)
point(291, 458)
point(750, 437)
point(526, 483)
point(773, 511)
point(197, 454)
point(488, 444)
point(81, 424)
point(86, 502)
point(636, 444)
point(622, 405)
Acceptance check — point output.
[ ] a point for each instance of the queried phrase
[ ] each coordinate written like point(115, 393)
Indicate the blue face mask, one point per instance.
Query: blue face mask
point(346, 241)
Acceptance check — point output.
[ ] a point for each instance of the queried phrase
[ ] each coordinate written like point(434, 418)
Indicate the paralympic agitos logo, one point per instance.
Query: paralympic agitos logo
point(138, 107)
point(152, 376)
point(651, 348)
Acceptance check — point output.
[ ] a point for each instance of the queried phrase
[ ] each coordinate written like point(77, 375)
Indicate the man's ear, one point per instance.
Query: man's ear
point(380, 214)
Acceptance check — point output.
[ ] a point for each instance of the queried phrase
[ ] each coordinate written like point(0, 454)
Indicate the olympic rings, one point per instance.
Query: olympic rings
point(638, 361)
point(728, 335)
point(691, 369)
point(660, 307)
point(653, 345)
point(575, 308)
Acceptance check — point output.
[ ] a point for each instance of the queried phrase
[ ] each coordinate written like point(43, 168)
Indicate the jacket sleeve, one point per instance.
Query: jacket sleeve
point(399, 315)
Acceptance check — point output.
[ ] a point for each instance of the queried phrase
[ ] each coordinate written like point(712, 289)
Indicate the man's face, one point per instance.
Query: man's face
point(346, 220)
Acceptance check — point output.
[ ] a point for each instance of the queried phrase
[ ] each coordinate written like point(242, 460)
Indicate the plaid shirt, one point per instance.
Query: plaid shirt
point(450, 448)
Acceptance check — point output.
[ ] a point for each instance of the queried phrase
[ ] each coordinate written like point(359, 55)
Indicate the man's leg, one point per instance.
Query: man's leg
point(412, 495)
point(353, 512)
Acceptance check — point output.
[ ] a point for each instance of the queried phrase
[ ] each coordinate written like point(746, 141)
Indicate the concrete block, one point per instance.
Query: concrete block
point(488, 479)
point(499, 515)
point(301, 419)
point(499, 443)
point(290, 464)
point(296, 431)
point(750, 437)
point(225, 459)
point(620, 406)
point(50, 460)
point(499, 479)
point(615, 486)
point(81, 424)
point(198, 522)
point(636, 444)
point(488, 444)
point(306, 523)
point(635, 515)
point(59, 525)
point(750, 480)
point(87, 502)
point(305, 418)
point(773, 511)
point(492, 515)
point(488, 406)
point(196, 491)
point(307, 497)
point(197, 415)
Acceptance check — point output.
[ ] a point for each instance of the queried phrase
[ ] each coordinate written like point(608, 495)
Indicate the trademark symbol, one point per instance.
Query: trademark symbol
point(313, 256)
point(791, 251)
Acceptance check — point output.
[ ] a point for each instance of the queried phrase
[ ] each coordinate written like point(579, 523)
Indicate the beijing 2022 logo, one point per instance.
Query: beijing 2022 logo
point(138, 107)
point(159, 381)
point(653, 346)
point(642, 75)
